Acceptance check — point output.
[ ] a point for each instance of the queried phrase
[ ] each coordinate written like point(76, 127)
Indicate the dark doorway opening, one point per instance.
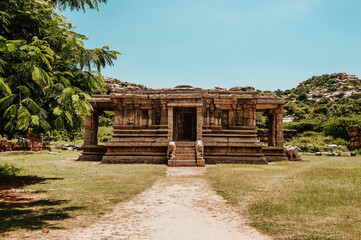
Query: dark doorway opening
point(185, 124)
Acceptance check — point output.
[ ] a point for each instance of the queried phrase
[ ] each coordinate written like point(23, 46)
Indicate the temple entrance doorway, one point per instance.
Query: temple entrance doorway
point(185, 124)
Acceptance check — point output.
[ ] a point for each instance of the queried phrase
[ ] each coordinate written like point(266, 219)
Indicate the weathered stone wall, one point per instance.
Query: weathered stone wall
point(25, 145)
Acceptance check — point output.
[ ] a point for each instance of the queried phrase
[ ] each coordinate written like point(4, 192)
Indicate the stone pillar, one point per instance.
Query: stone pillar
point(163, 115)
point(207, 116)
point(94, 129)
point(199, 123)
point(231, 118)
point(279, 126)
point(271, 129)
point(212, 120)
point(150, 117)
point(253, 115)
point(170, 124)
point(91, 129)
point(136, 114)
point(131, 116)
point(87, 129)
point(239, 118)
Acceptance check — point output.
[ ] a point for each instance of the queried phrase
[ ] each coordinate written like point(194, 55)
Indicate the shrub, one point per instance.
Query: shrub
point(8, 170)
point(302, 97)
point(107, 119)
point(63, 135)
point(338, 127)
point(309, 134)
point(105, 134)
point(356, 96)
point(321, 109)
point(315, 149)
point(304, 125)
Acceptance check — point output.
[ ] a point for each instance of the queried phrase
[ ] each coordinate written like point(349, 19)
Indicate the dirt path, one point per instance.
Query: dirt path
point(180, 206)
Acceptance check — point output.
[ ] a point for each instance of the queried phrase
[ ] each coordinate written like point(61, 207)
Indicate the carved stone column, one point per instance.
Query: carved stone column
point(87, 129)
point(150, 117)
point(91, 129)
point(212, 120)
point(199, 123)
point(279, 125)
point(170, 124)
point(253, 115)
point(206, 119)
point(163, 114)
point(271, 128)
point(136, 114)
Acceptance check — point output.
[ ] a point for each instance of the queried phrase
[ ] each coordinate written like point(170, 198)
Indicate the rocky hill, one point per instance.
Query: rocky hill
point(329, 103)
point(333, 87)
point(112, 83)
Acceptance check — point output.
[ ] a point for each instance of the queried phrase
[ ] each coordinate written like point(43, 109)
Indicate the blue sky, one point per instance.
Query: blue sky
point(268, 44)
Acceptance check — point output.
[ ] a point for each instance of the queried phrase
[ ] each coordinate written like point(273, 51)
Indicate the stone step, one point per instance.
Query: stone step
point(185, 152)
point(185, 157)
point(180, 144)
point(184, 149)
point(182, 163)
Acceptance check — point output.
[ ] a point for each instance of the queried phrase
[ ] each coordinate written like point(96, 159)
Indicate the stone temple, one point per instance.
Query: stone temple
point(185, 126)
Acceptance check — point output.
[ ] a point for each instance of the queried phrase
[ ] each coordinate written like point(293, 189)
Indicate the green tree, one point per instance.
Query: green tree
point(78, 4)
point(46, 74)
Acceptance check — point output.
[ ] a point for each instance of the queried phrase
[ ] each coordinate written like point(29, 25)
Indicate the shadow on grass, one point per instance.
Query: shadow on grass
point(19, 208)
point(10, 182)
point(34, 219)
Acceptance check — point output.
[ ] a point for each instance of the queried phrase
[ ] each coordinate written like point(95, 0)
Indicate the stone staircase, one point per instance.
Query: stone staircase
point(185, 156)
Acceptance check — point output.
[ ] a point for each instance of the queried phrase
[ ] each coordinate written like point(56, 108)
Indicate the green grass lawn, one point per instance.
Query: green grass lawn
point(70, 194)
point(319, 198)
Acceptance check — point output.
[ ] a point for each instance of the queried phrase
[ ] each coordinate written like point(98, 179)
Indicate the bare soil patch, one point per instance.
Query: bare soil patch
point(179, 206)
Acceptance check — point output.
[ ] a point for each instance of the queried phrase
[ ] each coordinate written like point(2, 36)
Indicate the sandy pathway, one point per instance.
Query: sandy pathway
point(180, 206)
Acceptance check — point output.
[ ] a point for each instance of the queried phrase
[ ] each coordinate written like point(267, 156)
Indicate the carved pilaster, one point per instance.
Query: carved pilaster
point(199, 123)
point(279, 126)
point(150, 117)
point(163, 114)
point(91, 129)
point(170, 124)
point(87, 128)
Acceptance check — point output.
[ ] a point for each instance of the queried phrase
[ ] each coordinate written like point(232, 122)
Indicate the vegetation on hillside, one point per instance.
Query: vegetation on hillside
point(46, 73)
point(327, 103)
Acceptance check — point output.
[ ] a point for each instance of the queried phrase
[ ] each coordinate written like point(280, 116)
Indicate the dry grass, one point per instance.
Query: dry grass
point(69, 194)
point(319, 198)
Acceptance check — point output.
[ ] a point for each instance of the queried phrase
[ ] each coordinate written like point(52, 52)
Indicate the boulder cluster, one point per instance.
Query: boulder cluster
point(347, 85)
point(111, 84)
point(115, 85)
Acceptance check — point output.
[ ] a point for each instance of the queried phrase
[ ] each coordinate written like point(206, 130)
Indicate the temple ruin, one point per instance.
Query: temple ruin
point(185, 126)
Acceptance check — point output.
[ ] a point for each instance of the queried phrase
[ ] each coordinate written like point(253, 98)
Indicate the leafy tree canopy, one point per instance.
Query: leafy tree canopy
point(46, 74)
point(78, 4)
